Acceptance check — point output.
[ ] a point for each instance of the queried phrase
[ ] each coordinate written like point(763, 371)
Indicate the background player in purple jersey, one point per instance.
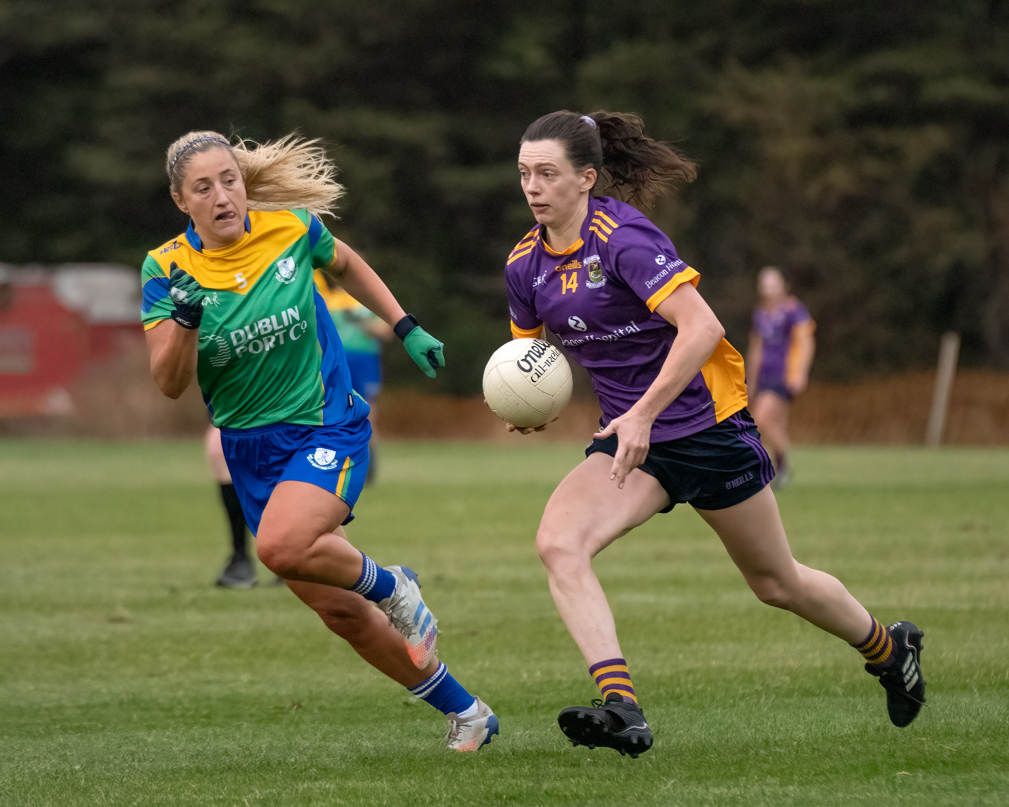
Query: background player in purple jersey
point(778, 359)
point(610, 285)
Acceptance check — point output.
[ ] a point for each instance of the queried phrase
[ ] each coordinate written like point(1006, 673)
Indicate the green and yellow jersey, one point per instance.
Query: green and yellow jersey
point(351, 319)
point(268, 349)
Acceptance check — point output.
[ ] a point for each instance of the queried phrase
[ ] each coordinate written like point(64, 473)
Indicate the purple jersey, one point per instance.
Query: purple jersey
point(599, 297)
point(778, 330)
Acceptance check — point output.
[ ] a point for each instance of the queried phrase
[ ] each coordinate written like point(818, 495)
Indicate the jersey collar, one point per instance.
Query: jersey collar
point(577, 245)
point(194, 239)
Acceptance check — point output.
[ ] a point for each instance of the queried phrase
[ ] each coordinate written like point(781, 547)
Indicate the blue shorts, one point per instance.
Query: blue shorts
point(713, 469)
point(365, 373)
point(334, 458)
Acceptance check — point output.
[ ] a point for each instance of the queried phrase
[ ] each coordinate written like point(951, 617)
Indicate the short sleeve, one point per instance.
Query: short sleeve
point(321, 243)
point(524, 321)
point(155, 305)
point(800, 322)
point(647, 263)
point(800, 314)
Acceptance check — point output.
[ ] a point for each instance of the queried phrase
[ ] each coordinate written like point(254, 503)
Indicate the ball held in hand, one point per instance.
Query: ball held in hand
point(527, 382)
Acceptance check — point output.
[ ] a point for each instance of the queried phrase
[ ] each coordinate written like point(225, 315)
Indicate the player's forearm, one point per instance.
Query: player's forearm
point(365, 286)
point(693, 346)
point(806, 355)
point(173, 357)
point(753, 358)
point(798, 372)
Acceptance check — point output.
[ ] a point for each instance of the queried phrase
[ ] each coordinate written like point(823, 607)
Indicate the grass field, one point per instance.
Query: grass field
point(126, 678)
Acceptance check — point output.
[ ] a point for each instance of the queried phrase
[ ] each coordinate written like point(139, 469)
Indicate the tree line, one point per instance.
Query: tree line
point(860, 146)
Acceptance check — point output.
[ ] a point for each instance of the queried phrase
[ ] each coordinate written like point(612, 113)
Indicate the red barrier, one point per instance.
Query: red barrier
point(44, 346)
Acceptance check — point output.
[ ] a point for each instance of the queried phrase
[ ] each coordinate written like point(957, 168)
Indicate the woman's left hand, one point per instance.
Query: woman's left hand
point(426, 351)
point(634, 432)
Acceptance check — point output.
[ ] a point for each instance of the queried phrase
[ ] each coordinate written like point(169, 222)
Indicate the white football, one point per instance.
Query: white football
point(527, 382)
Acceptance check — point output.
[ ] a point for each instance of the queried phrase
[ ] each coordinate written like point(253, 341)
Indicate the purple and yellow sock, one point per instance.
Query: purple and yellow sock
point(612, 677)
point(877, 649)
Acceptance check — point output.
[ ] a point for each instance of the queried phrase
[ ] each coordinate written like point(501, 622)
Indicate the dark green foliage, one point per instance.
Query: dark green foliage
point(861, 146)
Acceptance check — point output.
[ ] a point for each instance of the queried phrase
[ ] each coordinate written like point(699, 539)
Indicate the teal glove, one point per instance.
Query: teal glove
point(187, 296)
point(426, 351)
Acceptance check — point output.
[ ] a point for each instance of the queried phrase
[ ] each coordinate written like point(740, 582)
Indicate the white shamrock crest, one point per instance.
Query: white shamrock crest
point(324, 459)
point(287, 269)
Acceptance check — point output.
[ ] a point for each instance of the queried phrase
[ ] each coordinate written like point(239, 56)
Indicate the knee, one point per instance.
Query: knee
point(278, 556)
point(559, 549)
point(774, 591)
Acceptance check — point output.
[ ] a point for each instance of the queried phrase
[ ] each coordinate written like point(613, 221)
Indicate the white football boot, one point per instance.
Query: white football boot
point(410, 616)
point(471, 733)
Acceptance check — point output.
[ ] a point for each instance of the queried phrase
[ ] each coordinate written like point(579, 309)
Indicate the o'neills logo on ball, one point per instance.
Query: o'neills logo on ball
point(540, 357)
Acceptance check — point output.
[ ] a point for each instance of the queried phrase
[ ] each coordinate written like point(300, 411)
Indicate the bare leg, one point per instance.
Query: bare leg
point(755, 540)
point(770, 412)
point(365, 628)
point(586, 514)
point(239, 571)
point(215, 456)
point(300, 537)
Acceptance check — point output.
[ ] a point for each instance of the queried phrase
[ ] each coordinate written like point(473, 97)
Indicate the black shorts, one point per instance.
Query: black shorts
point(713, 469)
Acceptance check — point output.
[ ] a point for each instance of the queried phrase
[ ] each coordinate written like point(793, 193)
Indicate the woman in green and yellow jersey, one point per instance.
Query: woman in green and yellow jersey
point(232, 303)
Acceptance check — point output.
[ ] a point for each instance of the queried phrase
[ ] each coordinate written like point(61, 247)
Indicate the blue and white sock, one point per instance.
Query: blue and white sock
point(445, 694)
point(375, 583)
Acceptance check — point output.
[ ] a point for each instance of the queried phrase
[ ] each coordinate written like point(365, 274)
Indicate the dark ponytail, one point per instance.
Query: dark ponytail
point(631, 166)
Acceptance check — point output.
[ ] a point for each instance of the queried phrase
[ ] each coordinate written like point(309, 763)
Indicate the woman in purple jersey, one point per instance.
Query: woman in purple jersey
point(777, 362)
point(611, 287)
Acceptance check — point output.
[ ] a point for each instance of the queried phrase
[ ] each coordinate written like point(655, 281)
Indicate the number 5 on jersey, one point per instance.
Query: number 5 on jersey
point(569, 283)
point(240, 280)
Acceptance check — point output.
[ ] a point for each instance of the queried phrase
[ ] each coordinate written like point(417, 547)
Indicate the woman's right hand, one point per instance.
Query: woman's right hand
point(520, 429)
point(525, 429)
point(187, 296)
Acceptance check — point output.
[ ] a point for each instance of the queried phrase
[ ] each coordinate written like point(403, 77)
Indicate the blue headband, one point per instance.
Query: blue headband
point(193, 143)
point(589, 121)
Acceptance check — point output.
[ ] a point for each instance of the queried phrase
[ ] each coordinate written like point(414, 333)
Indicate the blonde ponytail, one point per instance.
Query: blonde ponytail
point(290, 172)
point(287, 173)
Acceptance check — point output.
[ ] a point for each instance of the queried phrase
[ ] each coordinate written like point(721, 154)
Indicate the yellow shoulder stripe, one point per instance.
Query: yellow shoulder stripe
point(516, 255)
point(602, 215)
point(529, 238)
point(598, 222)
point(525, 246)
